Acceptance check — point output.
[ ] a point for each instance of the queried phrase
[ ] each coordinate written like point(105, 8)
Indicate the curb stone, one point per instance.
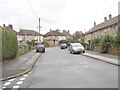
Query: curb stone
point(114, 63)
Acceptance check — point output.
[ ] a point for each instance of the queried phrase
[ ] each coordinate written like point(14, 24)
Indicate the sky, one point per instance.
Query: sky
point(72, 15)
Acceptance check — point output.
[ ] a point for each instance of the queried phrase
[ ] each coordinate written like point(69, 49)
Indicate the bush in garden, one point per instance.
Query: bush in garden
point(9, 45)
point(46, 44)
point(105, 44)
point(63, 41)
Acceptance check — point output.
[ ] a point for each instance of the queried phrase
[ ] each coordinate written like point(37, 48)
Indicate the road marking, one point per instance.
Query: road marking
point(22, 78)
point(19, 82)
point(7, 83)
point(16, 86)
point(25, 75)
point(11, 80)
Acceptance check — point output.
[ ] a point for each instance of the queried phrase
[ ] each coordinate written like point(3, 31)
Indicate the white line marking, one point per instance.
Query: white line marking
point(7, 83)
point(11, 80)
point(22, 78)
point(25, 75)
point(16, 86)
point(3, 87)
point(19, 82)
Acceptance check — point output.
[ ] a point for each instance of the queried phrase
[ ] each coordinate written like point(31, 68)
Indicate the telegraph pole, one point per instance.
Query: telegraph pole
point(39, 30)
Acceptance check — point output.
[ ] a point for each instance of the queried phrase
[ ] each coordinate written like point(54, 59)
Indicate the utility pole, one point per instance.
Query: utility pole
point(39, 30)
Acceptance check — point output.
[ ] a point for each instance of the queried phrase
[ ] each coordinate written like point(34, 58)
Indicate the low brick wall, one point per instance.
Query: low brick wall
point(97, 48)
point(115, 51)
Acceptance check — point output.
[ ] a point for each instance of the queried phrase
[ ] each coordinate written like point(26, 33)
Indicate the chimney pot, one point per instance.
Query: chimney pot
point(94, 23)
point(10, 25)
point(110, 16)
point(105, 18)
point(68, 31)
point(3, 25)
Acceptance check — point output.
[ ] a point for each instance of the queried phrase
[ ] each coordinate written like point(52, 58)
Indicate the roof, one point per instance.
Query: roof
point(28, 32)
point(8, 28)
point(105, 24)
point(66, 33)
point(54, 33)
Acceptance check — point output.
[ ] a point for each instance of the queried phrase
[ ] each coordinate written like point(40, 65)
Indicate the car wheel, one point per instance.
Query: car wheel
point(44, 51)
point(83, 51)
point(72, 52)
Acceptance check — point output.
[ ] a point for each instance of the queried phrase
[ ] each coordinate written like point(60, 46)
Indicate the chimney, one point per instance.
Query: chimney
point(63, 30)
point(110, 16)
point(105, 18)
point(68, 31)
point(10, 25)
point(3, 25)
point(94, 23)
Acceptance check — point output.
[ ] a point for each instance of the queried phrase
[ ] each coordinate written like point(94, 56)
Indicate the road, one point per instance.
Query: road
point(59, 69)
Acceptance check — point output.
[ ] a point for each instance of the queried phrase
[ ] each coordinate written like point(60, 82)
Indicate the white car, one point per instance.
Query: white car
point(76, 48)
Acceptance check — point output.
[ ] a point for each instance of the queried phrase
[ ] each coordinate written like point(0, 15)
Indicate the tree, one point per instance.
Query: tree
point(79, 36)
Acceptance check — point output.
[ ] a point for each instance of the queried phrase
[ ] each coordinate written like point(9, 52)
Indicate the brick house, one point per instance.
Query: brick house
point(53, 37)
point(25, 35)
point(107, 27)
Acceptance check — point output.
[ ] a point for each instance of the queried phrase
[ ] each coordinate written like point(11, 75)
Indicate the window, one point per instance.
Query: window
point(113, 28)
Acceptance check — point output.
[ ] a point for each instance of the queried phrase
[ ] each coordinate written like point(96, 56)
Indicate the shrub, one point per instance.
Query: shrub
point(9, 45)
point(46, 44)
point(105, 44)
point(63, 41)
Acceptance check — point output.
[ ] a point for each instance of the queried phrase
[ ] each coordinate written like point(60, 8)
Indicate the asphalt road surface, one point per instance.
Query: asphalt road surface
point(59, 69)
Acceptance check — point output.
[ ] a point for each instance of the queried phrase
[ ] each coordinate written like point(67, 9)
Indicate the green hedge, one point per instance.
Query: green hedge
point(9, 45)
point(46, 44)
point(105, 43)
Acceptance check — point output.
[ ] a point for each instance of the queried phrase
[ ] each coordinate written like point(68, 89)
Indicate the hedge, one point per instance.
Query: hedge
point(105, 43)
point(9, 45)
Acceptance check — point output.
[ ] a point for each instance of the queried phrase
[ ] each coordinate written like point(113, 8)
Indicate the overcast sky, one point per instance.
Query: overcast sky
point(73, 15)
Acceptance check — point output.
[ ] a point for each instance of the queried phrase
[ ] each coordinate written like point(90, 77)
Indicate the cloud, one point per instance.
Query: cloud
point(62, 14)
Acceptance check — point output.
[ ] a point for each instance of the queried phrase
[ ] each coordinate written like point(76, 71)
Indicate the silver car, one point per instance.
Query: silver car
point(76, 48)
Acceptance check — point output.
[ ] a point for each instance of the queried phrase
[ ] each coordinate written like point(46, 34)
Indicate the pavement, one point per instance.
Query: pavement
point(26, 62)
point(112, 59)
point(19, 65)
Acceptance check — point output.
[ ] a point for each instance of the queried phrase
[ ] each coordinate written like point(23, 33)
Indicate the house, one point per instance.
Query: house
point(53, 37)
point(67, 34)
point(25, 35)
point(107, 27)
point(9, 28)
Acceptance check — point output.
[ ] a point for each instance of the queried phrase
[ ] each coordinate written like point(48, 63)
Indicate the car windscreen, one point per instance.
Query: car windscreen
point(76, 45)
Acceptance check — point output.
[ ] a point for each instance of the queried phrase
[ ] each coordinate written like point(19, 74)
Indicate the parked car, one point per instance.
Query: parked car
point(63, 46)
point(69, 46)
point(76, 48)
point(40, 48)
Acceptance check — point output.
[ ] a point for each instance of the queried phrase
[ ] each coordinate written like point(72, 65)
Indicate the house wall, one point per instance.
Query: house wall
point(52, 40)
point(111, 30)
point(26, 38)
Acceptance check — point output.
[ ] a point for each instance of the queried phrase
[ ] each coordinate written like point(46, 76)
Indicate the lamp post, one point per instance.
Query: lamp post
point(39, 31)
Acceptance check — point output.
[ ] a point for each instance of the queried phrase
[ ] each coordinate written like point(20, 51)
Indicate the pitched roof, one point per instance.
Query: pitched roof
point(105, 24)
point(66, 33)
point(54, 33)
point(28, 32)
point(8, 28)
